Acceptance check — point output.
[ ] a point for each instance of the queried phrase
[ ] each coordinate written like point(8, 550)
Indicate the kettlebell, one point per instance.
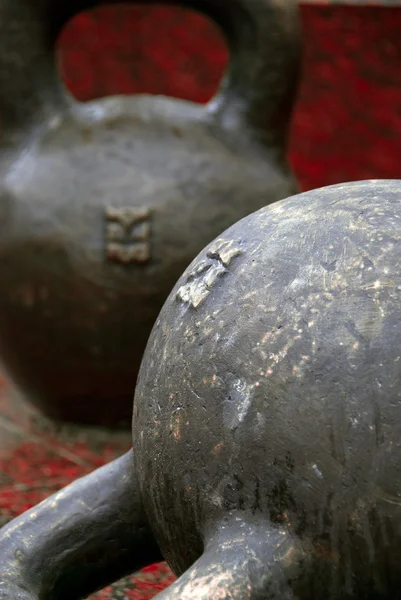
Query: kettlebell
point(103, 204)
point(266, 430)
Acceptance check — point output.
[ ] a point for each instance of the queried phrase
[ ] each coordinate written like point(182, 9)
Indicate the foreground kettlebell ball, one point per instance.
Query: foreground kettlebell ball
point(271, 385)
point(266, 458)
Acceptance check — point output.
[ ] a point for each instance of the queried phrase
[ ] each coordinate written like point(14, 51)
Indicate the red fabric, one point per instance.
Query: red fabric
point(347, 125)
point(37, 458)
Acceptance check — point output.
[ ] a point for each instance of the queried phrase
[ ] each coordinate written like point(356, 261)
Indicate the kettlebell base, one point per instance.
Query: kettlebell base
point(111, 413)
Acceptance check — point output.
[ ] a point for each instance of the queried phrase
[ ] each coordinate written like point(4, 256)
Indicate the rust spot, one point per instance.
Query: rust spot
point(177, 132)
point(216, 450)
point(325, 551)
point(175, 426)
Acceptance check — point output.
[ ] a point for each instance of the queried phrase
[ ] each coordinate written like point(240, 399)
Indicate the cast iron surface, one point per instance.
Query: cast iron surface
point(266, 424)
point(102, 205)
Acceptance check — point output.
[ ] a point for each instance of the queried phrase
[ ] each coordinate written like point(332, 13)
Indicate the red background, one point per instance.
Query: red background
point(347, 122)
point(347, 125)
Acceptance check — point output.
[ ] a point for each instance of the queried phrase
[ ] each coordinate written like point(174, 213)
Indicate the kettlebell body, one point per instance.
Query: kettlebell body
point(102, 205)
point(276, 392)
point(266, 456)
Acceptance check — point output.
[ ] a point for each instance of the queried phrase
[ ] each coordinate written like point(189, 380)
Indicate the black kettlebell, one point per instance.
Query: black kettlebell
point(267, 424)
point(103, 204)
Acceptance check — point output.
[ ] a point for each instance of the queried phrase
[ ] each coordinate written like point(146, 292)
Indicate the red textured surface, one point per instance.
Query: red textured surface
point(38, 457)
point(347, 126)
point(347, 123)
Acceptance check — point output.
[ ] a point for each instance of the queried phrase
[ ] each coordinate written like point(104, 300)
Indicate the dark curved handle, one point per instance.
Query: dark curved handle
point(246, 557)
point(84, 537)
point(258, 90)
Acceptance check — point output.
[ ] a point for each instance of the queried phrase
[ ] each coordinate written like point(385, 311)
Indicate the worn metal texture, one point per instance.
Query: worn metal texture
point(103, 204)
point(271, 386)
point(266, 423)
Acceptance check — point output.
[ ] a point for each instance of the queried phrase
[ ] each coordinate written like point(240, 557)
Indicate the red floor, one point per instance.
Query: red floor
point(347, 123)
point(37, 458)
point(347, 126)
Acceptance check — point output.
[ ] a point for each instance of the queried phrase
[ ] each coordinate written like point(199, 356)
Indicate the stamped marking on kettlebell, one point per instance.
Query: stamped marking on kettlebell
point(201, 280)
point(128, 232)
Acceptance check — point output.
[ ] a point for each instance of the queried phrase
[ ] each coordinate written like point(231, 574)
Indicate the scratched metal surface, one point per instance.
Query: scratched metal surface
point(347, 126)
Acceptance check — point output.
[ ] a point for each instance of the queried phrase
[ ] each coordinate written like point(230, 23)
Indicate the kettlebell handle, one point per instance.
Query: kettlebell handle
point(258, 90)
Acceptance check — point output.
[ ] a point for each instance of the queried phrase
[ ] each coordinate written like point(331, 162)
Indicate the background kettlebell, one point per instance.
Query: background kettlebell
point(103, 205)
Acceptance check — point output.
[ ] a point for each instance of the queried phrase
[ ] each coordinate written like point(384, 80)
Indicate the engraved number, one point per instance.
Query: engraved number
point(201, 280)
point(128, 234)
